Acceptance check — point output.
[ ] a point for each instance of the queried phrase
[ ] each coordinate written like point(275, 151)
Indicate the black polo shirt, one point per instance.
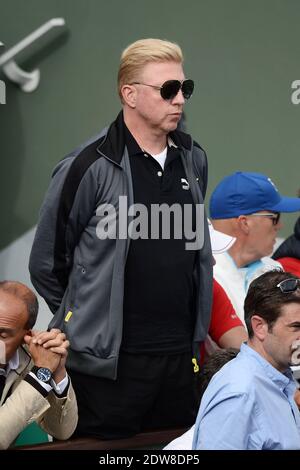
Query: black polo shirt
point(159, 289)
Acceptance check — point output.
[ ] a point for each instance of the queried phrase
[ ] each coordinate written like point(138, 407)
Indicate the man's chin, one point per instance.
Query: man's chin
point(171, 127)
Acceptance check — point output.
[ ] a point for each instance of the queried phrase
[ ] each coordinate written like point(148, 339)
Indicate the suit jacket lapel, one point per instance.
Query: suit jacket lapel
point(15, 376)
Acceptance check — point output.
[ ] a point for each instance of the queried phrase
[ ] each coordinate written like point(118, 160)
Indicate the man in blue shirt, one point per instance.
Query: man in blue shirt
point(249, 404)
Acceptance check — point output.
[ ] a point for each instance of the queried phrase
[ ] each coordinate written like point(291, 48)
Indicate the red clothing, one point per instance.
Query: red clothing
point(223, 316)
point(290, 265)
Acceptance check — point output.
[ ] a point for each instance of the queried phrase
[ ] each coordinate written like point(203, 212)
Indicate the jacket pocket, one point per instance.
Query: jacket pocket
point(77, 279)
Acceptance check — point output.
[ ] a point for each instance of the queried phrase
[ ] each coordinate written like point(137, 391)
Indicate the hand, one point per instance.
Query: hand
point(41, 356)
point(55, 341)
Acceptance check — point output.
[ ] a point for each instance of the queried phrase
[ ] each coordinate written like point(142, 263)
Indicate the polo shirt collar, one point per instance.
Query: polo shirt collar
point(112, 144)
point(134, 148)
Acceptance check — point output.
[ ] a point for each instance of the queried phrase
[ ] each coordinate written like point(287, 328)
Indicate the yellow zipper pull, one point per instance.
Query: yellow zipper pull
point(68, 316)
point(196, 367)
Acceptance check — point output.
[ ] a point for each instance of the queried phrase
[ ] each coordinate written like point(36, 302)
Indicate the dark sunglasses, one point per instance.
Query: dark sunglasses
point(170, 88)
point(275, 216)
point(289, 285)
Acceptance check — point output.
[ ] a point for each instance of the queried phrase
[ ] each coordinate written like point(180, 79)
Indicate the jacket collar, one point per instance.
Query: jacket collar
point(181, 139)
point(24, 360)
point(15, 375)
point(113, 144)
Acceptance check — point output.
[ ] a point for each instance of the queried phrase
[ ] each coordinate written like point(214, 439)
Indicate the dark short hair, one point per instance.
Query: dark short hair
point(212, 365)
point(22, 292)
point(266, 300)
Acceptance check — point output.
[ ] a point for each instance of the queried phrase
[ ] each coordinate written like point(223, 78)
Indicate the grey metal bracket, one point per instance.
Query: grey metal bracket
point(2, 86)
point(28, 81)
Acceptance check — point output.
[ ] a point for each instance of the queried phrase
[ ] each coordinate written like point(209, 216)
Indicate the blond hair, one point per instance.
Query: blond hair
point(138, 54)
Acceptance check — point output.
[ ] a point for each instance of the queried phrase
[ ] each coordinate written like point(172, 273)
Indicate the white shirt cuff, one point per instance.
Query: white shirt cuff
point(61, 386)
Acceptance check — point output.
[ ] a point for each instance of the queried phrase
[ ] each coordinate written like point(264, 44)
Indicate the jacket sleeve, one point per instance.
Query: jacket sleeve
point(66, 210)
point(57, 416)
point(24, 406)
point(201, 167)
point(204, 271)
point(60, 420)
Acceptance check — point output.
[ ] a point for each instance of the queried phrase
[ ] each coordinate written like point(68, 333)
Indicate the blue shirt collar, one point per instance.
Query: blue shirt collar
point(282, 380)
point(248, 270)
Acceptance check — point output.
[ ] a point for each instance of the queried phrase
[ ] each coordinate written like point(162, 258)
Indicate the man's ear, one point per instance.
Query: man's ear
point(129, 95)
point(259, 327)
point(243, 223)
point(27, 333)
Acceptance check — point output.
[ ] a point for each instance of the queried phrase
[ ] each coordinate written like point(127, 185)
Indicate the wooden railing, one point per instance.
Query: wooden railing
point(154, 439)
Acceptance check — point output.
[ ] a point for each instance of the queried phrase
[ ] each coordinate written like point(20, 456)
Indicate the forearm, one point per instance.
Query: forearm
point(233, 338)
point(45, 283)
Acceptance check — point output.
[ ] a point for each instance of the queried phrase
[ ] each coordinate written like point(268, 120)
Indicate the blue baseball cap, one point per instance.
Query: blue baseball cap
point(246, 193)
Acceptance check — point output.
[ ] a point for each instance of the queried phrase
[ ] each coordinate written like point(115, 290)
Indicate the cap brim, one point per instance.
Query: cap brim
point(287, 204)
point(220, 242)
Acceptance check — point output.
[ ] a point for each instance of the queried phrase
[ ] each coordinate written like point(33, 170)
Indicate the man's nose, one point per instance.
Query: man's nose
point(179, 98)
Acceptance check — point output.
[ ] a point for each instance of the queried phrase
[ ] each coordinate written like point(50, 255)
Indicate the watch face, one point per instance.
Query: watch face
point(44, 374)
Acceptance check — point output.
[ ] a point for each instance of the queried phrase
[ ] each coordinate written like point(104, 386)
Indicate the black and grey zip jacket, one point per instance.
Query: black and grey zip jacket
point(80, 275)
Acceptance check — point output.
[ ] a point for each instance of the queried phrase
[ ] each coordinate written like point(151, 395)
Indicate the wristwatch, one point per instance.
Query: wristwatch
point(42, 373)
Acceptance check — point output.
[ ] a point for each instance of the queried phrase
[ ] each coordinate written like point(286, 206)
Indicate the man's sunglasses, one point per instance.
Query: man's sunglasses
point(274, 216)
point(170, 88)
point(289, 285)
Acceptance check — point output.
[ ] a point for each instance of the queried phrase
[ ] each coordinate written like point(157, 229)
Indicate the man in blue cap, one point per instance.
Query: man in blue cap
point(247, 206)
